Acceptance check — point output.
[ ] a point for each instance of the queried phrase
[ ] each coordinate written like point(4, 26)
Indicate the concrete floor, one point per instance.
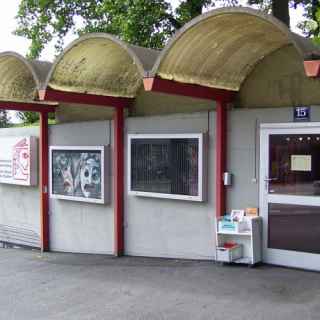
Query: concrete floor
point(77, 287)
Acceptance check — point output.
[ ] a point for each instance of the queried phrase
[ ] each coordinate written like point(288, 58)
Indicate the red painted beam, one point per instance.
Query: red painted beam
point(27, 106)
point(84, 98)
point(118, 165)
point(189, 90)
point(44, 181)
point(221, 156)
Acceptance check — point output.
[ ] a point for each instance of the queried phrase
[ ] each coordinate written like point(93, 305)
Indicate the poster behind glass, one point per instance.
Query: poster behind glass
point(78, 174)
point(167, 166)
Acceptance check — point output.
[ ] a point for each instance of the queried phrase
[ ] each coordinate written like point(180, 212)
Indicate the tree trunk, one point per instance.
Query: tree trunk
point(280, 9)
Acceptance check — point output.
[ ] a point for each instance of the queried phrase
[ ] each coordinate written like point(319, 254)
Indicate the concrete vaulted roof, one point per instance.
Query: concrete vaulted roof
point(20, 79)
point(220, 48)
point(238, 49)
point(101, 64)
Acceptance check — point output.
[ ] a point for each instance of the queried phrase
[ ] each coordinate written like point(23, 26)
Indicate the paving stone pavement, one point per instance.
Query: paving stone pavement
point(58, 286)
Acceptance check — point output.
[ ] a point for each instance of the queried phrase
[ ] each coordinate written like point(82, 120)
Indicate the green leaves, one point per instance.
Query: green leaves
point(4, 119)
point(141, 22)
point(28, 117)
point(148, 23)
point(310, 26)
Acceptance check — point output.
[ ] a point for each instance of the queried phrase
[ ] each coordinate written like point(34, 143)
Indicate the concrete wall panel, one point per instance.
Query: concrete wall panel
point(153, 227)
point(244, 149)
point(20, 205)
point(79, 226)
point(172, 228)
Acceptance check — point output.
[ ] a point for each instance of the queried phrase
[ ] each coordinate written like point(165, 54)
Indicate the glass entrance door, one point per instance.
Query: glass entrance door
point(290, 194)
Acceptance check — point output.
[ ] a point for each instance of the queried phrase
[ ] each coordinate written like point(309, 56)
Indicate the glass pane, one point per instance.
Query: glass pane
point(294, 165)
point(294, 227)
point(165, 166)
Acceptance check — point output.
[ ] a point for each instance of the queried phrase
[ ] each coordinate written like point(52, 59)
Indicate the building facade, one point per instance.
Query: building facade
point(220, 97)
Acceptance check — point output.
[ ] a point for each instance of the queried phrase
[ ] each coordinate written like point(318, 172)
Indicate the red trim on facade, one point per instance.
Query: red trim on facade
point(27, 106)
point(312, 68)
point(189, 90)
point(43, 110)
point(119, 103)
point(84, 98)
point(44, 181)
point(221, 156)
point(118, 165)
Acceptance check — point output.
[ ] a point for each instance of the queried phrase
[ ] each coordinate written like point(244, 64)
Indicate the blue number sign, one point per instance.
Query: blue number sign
point(301, 114)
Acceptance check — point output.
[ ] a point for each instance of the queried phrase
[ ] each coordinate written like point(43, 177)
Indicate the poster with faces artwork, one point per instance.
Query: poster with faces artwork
point(78, 173)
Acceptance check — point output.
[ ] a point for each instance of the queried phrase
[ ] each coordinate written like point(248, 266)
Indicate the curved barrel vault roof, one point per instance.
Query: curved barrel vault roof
point(20, 79)
point(101, 64)
point(219, 49)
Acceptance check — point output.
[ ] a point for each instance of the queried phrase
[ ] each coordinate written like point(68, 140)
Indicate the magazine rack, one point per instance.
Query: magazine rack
point(250, 241)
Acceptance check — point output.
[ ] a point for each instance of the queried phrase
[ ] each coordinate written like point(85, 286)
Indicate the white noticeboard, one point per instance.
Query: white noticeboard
point(18, 160)
point(301, 163)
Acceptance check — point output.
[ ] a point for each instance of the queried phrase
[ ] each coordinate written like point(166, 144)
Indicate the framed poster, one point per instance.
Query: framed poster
point(171, 166)
point(79, 173)
point(19, 160)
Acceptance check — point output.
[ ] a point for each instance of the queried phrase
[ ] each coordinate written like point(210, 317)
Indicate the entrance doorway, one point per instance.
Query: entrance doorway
point(290, 194)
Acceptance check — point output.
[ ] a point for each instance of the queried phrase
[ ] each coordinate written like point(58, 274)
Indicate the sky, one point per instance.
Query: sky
point(10, 42)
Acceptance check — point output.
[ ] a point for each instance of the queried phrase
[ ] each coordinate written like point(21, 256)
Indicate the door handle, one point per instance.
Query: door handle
point(266, 182)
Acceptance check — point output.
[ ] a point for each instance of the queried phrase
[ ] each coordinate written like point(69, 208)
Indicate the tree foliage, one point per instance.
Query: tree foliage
point(148, 23)
point(311, 23)
point(28, 117)
point(143, 22)
point(310, 26)
point(4, 119)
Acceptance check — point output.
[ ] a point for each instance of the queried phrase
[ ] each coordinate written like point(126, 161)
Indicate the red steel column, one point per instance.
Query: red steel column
point(221, 156)
point(118, 165)
point(44, 180)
